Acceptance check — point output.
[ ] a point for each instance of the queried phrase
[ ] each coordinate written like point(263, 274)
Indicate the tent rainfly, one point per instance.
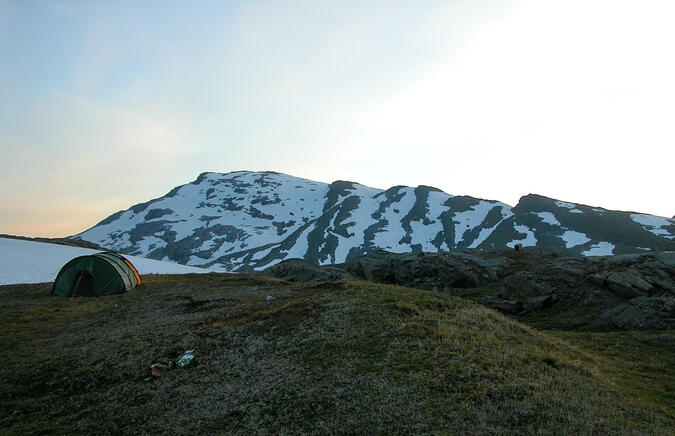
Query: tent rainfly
point(96, 274)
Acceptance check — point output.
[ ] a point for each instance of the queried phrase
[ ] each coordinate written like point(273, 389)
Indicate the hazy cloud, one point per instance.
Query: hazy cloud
point(109, 104)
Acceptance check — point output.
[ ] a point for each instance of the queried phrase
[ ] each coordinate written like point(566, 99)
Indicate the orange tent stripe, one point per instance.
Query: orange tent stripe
point(133, 268)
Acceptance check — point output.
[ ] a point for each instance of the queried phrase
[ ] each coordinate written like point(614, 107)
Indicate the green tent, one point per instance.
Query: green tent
point(96, 274)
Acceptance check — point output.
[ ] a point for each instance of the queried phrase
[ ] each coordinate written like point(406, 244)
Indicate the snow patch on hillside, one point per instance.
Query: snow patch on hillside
point(38, 262)
point(390, 238)
point(436, 204)
point(471, 218)
point(358, 221)
point(548, 218)
point(528, 241)
point(485, 233)
point(565, 204)
point(600, 249)
point(654, 224)
point(299, 249)
point(572, 238)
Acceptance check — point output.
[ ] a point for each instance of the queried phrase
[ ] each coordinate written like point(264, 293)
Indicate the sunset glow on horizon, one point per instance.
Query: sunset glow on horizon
point(109, 104)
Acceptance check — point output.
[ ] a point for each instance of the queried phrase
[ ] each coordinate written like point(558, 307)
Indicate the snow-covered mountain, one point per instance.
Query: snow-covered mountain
point(251, 220)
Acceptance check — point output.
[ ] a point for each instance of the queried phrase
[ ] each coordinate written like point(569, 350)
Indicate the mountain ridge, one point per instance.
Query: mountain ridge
point(247, 220)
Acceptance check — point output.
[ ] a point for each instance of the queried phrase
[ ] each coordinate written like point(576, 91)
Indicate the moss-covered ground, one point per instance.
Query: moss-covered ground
point(348, 357)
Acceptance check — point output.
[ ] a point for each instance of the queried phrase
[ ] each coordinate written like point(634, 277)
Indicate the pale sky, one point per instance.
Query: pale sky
point(108, 104)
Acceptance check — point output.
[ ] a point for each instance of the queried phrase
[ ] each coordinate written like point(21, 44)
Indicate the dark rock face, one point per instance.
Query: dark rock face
point(593, 280)
point(640, 275)
point(534, 281)
point(640, 313)
point(298, 270)
point(432, 271)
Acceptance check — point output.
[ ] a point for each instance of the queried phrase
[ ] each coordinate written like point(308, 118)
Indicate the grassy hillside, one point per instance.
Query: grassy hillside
point(329, 358)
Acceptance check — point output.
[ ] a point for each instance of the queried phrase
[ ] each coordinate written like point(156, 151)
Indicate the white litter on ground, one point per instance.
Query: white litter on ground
point(186, 358)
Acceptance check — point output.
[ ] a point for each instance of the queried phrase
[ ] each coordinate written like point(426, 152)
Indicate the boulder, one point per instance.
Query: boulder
point(640, 313)
point(298, 270)
point(628, 283)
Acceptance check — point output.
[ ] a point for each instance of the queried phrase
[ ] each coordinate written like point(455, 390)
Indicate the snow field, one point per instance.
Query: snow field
point(38, 262)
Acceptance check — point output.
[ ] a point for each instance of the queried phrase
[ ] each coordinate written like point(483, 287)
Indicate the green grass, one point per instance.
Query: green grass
point(337, 358)
point(638, 363)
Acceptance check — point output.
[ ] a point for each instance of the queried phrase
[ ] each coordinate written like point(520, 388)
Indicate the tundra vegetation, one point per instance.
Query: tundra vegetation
point(297, 357)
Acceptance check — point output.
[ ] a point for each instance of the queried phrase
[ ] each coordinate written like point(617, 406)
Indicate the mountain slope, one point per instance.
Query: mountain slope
point(250, 220)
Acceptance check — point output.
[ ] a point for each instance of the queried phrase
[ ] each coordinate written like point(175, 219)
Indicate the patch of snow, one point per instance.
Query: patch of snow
point(393, 232)
point(565, 204)
point(301, 245)
point(260, 254)
point(468, 220)
point(151, 266)
point(548, 218)
point(145, 243)
point(572, 238)
point(600, 249)
point(424, 234)
point(528, 241)
point(436, 202)
point(38, 262)
point(485, 233)
point(654, 224)
point(571, 206)
point(358, 221)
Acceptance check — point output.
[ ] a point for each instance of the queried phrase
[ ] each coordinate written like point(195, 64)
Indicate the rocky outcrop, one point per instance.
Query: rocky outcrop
point(608, 293)
point(639, 275)
point(432, 271)
point(640, 313)
point(298, 270)
point(575, 289)
point(595, 280)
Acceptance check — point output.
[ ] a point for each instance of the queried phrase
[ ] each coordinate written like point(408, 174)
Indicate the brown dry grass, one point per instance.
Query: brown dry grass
point(338, 358)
